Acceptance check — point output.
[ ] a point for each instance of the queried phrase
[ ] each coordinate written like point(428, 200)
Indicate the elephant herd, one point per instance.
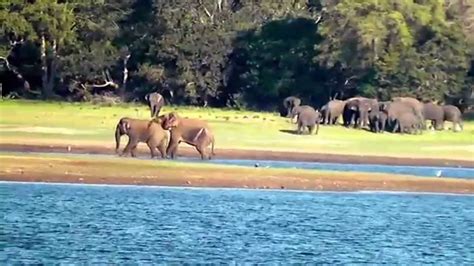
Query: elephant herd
point(164, 133)
point(401, 114)
point(155, 132)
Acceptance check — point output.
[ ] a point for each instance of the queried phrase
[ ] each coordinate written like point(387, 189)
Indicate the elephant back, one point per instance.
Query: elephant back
point(451, 113)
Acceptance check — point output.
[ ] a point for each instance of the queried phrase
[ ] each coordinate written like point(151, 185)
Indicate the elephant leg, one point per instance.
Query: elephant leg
point(300, 129)
point(327, 117)
point(395, 127)
point(310, 129)
point(132, 142)
point(172, 148)
point(133, 151)
point(162, 149)
point(157, 112)
point(202, 151)
point(317, 128)
point(152, 145)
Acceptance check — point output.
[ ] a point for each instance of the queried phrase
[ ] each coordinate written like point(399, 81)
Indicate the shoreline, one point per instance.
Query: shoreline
point(117, 171)
point(248, 154)
point(368, 192)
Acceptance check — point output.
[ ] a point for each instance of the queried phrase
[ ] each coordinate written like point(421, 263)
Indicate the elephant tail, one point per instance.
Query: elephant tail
point(118, 134)
point(212, 147)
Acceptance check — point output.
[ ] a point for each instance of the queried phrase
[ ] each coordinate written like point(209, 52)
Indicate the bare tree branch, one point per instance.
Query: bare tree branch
point(211, 16)
point(349, 79)
point(219, 5)
point(318, 19)
point(108, 81)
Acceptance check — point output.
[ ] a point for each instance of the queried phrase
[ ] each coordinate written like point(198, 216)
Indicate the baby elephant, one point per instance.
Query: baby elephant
point(191, 131)
point(308, 118)
point(155, 103)
point(377, 121)
point(141, 131)
point(453, 114)
point(409, 123)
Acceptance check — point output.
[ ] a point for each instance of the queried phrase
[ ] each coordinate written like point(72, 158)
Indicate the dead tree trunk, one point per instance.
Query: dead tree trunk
point(125, 77)
point(47, 92)
point(52, 67)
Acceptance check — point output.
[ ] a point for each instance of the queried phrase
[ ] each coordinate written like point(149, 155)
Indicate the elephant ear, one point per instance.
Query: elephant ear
point(173, 119)
point(125, 126)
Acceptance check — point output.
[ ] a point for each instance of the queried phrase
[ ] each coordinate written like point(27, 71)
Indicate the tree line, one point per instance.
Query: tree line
point(239, 53)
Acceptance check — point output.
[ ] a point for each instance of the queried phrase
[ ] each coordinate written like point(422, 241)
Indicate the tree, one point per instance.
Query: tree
point(395, 47)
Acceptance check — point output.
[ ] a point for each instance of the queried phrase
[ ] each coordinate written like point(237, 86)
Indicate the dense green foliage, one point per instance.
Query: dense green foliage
point(237, 52)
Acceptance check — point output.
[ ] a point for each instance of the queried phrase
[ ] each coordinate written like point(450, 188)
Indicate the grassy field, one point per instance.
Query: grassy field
point(41, 122)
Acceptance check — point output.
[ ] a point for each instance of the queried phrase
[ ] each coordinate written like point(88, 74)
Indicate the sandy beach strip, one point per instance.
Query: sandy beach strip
point(36, 168)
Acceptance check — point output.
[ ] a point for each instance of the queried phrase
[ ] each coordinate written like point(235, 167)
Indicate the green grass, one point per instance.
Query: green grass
point(46, 121)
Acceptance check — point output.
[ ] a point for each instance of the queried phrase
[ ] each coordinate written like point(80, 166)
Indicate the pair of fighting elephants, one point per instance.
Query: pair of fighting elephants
point(154, 132)
point(401, 114)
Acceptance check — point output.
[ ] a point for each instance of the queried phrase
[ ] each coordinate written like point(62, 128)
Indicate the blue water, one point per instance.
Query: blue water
point(142, 225)
point(427, 171)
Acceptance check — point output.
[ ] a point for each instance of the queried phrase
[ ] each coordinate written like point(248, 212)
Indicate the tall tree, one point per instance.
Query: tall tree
point(395, 47)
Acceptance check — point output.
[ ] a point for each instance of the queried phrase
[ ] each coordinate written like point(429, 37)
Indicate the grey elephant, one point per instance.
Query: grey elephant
point(309, 119)
point(298, 109)
point(435, 114)
point(356, 110)
point(289, 103)
point(332, 111)
point(453, 114)
point(155, 103)
point(394, 111)
point(377, 120)
point(409, 123)
point(415, 104)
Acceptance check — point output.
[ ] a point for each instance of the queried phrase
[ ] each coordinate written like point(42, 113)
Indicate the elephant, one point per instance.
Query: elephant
point(394, 111)
point(357, 110)
point(141, 131)
point(308, 118)
point(453, 114)
point(191, 131)
point(289, 103)
point(155, 103)
point(409, 123)
point(332, 110)
point(298, 109)
point(435, 114)
point(377, 120)
point(415, 104)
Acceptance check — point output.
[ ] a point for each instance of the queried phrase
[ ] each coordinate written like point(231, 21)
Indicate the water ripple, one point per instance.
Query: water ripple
point(46, 224)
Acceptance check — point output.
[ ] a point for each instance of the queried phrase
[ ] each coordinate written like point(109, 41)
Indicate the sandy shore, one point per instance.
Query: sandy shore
point(165, 173)
point(245, 154)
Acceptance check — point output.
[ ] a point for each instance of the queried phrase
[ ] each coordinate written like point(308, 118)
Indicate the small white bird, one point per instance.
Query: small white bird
point(439, 173)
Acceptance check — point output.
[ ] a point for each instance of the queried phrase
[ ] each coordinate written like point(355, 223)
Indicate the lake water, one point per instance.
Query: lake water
point(84, 224)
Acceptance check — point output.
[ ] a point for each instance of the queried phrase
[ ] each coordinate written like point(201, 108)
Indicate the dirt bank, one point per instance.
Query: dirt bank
point(247, 154)
point(144, 172)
